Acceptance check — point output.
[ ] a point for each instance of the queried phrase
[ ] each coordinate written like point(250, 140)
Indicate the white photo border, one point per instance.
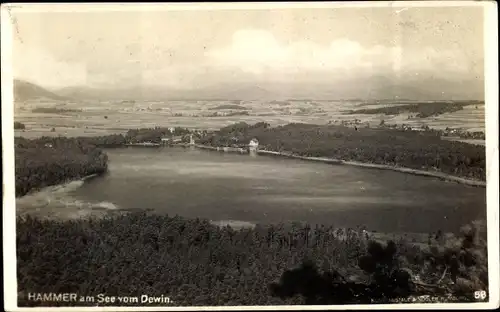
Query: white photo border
point(491, 128)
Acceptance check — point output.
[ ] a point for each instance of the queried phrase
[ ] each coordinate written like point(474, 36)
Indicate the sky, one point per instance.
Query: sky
point(188, 49)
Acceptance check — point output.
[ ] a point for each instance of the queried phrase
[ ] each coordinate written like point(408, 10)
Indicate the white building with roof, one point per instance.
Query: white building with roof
point(253, 145)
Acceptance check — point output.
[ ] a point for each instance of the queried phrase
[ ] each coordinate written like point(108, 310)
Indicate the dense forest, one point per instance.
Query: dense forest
point(197, 263)
point(153, 135)
point(49, 161)
point(55, 110)
point(228, 106)
point(477, 135)
point(112, 140)
point(19, 125)
point(422, 110)
point(423, 150)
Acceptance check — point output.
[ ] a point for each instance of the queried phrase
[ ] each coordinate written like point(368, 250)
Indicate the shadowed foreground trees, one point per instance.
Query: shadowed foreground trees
point(455, 266)
point(198, 264)
point(387, 280)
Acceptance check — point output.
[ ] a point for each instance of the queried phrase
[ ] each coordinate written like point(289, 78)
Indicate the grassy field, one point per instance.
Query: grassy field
point(101, 118)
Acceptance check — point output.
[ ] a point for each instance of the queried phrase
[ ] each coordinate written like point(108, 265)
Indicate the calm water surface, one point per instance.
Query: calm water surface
point(218, 186)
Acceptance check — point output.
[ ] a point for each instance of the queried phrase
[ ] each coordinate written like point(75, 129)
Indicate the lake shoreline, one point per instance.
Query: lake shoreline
point(440, 175)
point(78, 195)
point(69, 180)
point(437, 174)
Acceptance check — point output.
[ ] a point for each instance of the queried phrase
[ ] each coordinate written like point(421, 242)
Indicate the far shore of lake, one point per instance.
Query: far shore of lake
point(435, 174)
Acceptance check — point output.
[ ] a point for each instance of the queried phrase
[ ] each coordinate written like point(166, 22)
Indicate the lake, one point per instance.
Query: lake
point(261, 189)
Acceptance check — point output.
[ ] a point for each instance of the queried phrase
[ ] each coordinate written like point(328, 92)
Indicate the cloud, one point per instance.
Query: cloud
point(259, 52)
point(38, 66)
point(251, 55)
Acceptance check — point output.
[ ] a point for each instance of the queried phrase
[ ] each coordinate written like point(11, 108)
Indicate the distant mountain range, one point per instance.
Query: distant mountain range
point(165, 93)
point(368, 88)
point(24, 90)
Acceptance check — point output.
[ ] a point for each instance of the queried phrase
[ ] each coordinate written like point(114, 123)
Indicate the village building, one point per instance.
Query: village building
point(170, 140)
point(253, 145)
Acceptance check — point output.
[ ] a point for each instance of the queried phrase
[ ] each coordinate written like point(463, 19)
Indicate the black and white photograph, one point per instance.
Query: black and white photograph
point(279, 155)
